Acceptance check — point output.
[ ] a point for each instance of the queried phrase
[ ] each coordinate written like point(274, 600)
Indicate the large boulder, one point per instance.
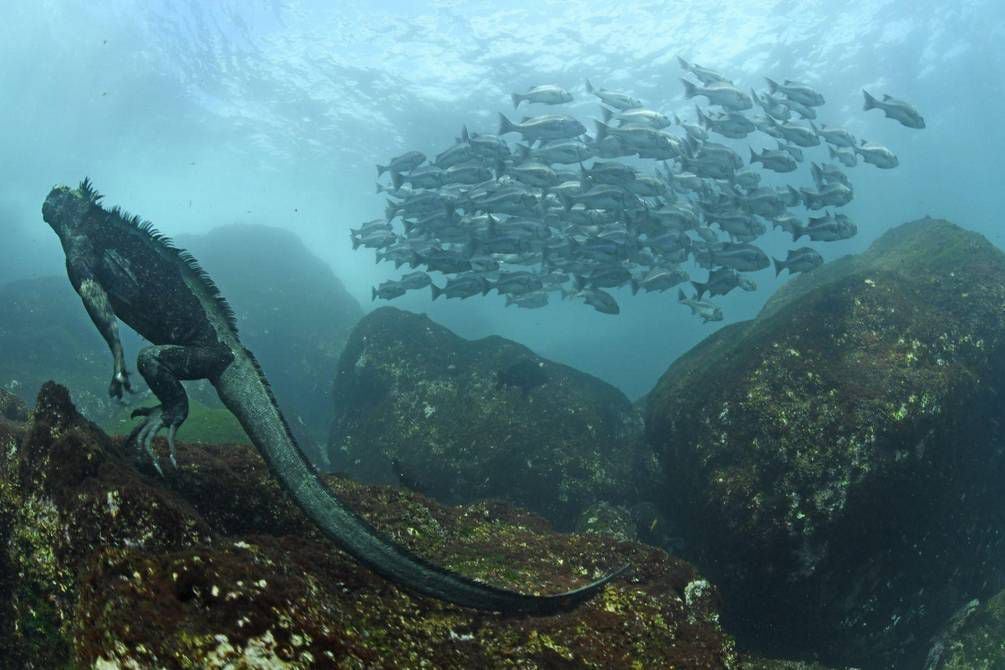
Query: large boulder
point(292, 312)
point(107, 565)
point(466, 420)
point(837, 463)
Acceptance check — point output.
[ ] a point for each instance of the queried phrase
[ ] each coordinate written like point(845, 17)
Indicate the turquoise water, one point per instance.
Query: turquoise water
point(200, 114)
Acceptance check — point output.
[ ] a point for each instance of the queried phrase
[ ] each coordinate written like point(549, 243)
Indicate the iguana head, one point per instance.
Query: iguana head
point(65, 208)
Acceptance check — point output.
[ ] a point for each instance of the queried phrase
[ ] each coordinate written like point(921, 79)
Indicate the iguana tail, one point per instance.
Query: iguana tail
point(244, 390)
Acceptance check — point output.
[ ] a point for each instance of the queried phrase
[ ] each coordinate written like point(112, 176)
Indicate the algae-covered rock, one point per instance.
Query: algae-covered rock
point(11, 407)
point(974, 638)
point(465, 420)
point(213, 567)
point(836, 464)
point(607, 519)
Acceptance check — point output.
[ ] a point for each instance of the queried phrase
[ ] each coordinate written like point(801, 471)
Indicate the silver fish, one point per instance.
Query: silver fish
point(659, 279)
point(637, 117)
point(548, 127)
point(899, 110)
point(546, 94)
point(796, 91)
point(614, 99)
point(706, 310)
point(564, 153)
point(720, 93)
point(462, 286)
point(847, 157)
point(776, 161)
point(834, 194)
point(387, 290)
point(877, 155)
point(403, 163)
point(732, 125)
point(705, 75)
point(839, 137)
point(798, 260)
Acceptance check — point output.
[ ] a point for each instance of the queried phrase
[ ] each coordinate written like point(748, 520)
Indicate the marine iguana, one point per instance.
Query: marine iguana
point(123, 268)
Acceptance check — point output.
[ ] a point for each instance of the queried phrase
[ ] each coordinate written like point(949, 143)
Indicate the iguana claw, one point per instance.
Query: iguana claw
point(143, 434)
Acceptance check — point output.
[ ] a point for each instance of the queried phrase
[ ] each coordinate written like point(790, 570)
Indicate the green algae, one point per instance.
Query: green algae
point(812, 453)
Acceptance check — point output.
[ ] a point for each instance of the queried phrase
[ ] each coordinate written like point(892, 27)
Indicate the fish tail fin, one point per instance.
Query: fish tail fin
point(602, 129)
point(381, 169)
point(832, 152)
point(373, 294)
point(579, 282)
point(589, 86)
point(505, 125)
point(396, 180)
point(635, 286)
point(753, 156)
point(523, 151)
point(690, 90)
point(870, 102)
point(566, 201)
point(486, 286)
point(816, 131)
point(779, 266)
point(436, 290)
point(700, 288)
point(797, 232)
point(517, 99)
point(772, 84)
point(680, 295)
point(356, 242)
point(702, 117)
point(607, 114)
point(683, 63)
point(465, 137)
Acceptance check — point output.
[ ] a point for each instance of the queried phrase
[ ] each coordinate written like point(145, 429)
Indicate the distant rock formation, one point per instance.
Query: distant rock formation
point(464, 420)
point(837, 463)
point(292, 312)
point(102, 565)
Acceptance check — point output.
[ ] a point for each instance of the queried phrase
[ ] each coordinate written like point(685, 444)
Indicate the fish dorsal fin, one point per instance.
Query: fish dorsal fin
point(886, 97)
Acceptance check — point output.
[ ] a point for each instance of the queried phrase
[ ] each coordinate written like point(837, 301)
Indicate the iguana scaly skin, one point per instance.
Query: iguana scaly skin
point(123, 268)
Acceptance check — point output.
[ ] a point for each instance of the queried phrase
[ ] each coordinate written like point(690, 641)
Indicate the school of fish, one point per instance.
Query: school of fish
point(562, 212)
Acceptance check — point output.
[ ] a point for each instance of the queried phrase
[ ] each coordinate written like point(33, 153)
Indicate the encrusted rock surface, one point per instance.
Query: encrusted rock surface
point(973, 639)
point(465, 420)
point(108, 566)
point(836, 464)
point(11, 407)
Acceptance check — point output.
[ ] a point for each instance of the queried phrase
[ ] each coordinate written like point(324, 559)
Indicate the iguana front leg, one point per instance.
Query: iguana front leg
point(100, 310)
point(163, 368)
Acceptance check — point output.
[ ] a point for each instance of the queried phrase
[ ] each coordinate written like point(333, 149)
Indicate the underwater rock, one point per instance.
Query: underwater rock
point(973, 639)
point(606, 519)
point(836, 464)
point(212, 567)
point(11, 407)
point(464, 420)
point(292, 312)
